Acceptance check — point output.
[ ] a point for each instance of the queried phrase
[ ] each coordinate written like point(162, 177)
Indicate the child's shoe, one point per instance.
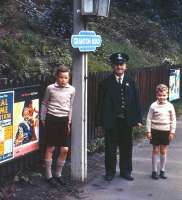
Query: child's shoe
point(52, 182)
point(60, 181)
point(162, 175)
point(155, 176)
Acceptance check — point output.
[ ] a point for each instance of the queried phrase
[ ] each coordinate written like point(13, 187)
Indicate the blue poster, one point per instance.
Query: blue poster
point(174, 84)
point(6, 125)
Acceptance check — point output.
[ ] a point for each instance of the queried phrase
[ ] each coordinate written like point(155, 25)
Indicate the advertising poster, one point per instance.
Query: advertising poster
point(6, 125)
point(174, 84)
point(26, 121)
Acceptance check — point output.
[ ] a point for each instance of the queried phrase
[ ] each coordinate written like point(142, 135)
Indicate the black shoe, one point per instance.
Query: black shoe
point(127, 176)
point(52, 182)
point(162, 175)
point(108, 177)
point(155, 176)
point(60, 181)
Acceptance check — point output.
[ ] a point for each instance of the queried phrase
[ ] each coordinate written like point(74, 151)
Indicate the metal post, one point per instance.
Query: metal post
point(79, 120)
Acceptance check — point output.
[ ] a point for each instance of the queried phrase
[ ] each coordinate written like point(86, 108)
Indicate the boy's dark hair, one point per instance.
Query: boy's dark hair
point(62, 68)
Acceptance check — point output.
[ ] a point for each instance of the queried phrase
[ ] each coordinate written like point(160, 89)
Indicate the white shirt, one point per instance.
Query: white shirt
point(119, 78)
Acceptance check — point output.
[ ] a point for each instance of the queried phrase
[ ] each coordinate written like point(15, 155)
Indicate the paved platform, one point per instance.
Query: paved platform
point(143, 187)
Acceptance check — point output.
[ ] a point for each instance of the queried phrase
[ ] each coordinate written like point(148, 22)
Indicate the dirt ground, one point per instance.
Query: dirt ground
point(30, 184)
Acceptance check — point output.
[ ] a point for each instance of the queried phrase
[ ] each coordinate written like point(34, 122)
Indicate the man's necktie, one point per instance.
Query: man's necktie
point(119, 80)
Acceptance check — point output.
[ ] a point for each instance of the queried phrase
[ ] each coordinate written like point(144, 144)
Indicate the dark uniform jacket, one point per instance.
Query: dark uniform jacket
point(109, 102)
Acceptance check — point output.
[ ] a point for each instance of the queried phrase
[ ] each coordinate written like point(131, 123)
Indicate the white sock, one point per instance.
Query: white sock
point(59, 167)
point(48, 168)
point(155, 162)
point(163, 159)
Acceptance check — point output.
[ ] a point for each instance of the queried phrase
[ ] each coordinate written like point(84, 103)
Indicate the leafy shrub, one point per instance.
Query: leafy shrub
point(96, 145)
point(54, 17)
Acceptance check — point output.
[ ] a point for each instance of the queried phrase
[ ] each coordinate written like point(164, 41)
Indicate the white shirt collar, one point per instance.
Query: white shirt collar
point(119, 77)
point(162, 103)
point(57, 85)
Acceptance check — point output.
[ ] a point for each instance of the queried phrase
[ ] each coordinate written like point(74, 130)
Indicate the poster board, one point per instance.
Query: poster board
point(6, 125)
point(19, 122)
point(174, 84)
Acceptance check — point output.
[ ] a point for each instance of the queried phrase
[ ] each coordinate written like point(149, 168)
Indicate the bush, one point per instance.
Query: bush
point(53, 18)
point(96, 145)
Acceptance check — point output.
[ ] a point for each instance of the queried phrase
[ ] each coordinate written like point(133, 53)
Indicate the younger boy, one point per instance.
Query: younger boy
point(161, 125)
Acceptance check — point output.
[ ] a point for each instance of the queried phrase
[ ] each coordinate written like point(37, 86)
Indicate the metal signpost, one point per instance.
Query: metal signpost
point(85, 41)
point(79, 118)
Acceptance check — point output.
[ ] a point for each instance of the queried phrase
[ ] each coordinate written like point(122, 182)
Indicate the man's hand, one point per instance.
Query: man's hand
point(140, 125)
point(69, 128)
point(149, 135)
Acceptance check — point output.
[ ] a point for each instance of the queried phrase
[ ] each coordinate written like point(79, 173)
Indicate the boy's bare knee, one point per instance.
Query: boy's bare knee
point(50, 149)
point(156, 150)
point(48, 153)
point(163, 151)
point(64, 150)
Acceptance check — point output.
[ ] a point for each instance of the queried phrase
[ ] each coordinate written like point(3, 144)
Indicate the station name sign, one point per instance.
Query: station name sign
point(86, 41)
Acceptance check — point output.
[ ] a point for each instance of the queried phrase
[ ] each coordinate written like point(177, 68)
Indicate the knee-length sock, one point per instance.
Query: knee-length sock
point(155, 159)
point(163, 159)
point(59, 166)
point(48, 168)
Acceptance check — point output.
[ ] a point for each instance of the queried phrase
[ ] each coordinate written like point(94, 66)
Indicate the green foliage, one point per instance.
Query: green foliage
point(146, 41)
point(95, 64)
point(30, 52)
point(99, 61)
point(96, 145)
point(4, 15)
point(59, 56)
point(139, 133)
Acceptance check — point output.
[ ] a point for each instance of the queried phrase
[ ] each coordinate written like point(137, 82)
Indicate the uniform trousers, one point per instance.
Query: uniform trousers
point(119, 136)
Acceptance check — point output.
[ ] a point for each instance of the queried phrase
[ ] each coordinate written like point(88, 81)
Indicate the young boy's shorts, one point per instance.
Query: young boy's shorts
point(159, 137)
point(56, 131)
